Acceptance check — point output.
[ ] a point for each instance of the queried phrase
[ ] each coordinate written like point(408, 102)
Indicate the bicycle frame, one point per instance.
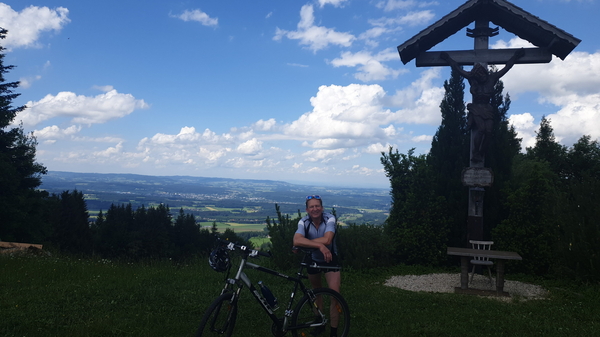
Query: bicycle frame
point(241, 280)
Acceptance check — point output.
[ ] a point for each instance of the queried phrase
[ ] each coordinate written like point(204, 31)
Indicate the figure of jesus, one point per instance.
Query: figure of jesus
point(480, 118)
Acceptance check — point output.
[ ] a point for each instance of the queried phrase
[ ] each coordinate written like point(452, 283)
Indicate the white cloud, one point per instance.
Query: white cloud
point(525, 127)
point(335, 3)
point(323, 155)
point(54, 132)
point(27, 82)
point(315, 37)
point(81, 109)
point(411, 19)
point(25, 27)
point(377, 148)
point(420, 101)
point(198, 16)
point(350, 112)
point(370, 67)
point(391, 5)
point(262, 125)
point(567, 91)
point(251, 146)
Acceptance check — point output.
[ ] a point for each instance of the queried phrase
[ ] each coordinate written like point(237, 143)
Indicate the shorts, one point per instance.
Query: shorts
point(334, 263)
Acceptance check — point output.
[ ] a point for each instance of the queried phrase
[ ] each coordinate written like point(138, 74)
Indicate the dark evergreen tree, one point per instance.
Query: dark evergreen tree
point(188, 239)
point(531, 227)
point(72, 233)
point(548, 149)
point(19, 200)
point(282, 236)
point(449, 155)
point(418, 221)
point(156, 230)
point(503, 148)
point(114, 233)
point(579, 212)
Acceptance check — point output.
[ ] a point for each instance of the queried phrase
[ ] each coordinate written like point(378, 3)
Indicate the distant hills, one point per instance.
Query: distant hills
point(218, 199)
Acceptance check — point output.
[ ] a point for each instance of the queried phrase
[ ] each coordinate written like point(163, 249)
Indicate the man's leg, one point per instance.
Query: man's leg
point(334, 280)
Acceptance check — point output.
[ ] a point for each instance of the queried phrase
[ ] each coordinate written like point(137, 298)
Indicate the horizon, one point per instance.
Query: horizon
point(309, 92)
point(299, 183)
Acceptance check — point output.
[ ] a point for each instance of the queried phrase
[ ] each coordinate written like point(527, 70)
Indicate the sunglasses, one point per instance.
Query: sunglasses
point(313, 197)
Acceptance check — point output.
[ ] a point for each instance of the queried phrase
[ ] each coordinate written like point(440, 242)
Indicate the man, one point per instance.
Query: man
point(317, 230)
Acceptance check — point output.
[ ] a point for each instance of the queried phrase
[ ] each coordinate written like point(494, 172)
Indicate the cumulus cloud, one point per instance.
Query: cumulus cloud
point(420, 101)
point(567, 90)
point(198, 16)
point(251, 146)
point(391, 5)
point(525, 127)
point(335, 3)
point(370, 67)
point(350, 112)
point(25, 27)
point(81, 109)
point(312, 36)
point(54, 132)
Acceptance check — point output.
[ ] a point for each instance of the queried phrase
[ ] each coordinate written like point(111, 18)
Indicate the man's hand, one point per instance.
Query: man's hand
point(326, 253)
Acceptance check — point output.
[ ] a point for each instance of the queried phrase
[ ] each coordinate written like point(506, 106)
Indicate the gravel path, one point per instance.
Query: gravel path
point(445, 283)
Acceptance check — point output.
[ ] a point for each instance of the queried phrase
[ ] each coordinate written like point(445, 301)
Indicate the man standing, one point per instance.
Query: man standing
point(317, 230)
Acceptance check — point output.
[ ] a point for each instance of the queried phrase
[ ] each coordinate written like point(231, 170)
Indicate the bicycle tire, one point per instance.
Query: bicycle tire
point(219, 322)
point(335, 313)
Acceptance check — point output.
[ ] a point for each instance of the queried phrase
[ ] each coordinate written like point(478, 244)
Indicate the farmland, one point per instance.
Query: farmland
point(241, 205)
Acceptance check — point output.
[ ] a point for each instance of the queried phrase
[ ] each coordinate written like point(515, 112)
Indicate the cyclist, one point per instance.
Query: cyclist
point(317, 230)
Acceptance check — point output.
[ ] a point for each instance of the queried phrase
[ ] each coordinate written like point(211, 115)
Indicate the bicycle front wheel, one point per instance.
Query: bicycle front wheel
point(321, 312)
point(219, 318)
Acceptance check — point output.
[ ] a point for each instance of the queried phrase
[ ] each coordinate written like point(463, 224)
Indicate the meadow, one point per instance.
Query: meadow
point(65, 296)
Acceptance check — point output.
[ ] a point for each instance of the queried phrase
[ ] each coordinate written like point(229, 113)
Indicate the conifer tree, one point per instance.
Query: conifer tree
point(21, 174)
point(504, 147)
point(548, 149)
point(449, 154)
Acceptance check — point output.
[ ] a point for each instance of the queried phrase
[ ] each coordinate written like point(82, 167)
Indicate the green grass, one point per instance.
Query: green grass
point(237, 227)
point(59, 296)
point(259, 241)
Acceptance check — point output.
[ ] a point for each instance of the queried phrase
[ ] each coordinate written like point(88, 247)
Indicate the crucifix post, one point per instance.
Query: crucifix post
point(481, 35)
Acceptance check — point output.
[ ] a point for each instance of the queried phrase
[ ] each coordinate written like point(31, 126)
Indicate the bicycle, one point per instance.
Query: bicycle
point(317, 310)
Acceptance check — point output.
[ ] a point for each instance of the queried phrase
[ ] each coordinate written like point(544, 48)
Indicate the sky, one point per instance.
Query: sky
point(299, 91)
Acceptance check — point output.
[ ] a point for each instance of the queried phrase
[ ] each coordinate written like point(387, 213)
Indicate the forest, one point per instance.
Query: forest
point(543, 203)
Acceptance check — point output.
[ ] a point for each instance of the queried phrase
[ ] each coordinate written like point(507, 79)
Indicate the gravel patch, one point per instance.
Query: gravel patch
point(445, 283)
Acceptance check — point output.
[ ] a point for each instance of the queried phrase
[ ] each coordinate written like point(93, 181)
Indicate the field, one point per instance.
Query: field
point(242, 205)
point(236, 227)
point(60, 296)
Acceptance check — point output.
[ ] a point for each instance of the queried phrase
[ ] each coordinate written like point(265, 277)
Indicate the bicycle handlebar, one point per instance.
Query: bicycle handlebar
point(251, 252)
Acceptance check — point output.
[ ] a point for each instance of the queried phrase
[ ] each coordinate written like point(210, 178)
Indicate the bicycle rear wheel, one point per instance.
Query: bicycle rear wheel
point(320, 311)
point(219, 318)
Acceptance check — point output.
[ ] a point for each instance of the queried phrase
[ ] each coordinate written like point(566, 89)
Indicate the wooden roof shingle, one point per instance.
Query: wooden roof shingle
point(501, 13)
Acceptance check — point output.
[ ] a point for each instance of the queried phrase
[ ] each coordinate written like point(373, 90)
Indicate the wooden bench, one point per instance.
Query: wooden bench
point(6, 247)
point(499, 255)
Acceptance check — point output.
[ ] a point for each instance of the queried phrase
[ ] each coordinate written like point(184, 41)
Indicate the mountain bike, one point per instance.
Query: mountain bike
point(315, 314)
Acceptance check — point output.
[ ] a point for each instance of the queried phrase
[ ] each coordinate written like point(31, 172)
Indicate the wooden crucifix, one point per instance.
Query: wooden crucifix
point(549, 41)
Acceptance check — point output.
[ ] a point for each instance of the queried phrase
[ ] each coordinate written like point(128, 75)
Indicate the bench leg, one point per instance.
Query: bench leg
point(500, 276)
point(464, 272)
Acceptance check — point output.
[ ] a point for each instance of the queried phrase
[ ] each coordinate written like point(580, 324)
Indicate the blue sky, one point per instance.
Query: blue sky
point(299, 91)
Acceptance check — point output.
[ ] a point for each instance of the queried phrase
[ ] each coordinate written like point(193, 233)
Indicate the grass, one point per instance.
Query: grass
point(60, 296)
point(237, 227)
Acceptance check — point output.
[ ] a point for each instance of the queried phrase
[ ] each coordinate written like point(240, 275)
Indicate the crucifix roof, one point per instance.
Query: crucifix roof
point(500, 12)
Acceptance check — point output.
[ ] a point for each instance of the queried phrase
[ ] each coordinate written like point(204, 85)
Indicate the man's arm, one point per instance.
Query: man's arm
point(318, 243)
point(511, 62)
point(302, 241)
point(444, 56)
